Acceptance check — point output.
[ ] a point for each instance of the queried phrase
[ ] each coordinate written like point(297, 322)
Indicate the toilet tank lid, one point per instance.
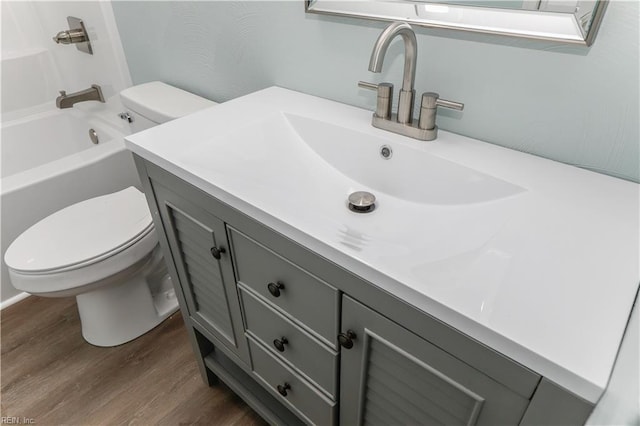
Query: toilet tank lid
point(85, 231)
point(160, 102)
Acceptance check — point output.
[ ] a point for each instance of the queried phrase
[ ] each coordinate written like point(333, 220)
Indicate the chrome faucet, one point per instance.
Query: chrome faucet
point(407, 93)
point(402, 122)
point(94, 93)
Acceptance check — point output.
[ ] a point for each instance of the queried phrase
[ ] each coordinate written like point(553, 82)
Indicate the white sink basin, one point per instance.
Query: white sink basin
point(409, 174)
point(302, 155)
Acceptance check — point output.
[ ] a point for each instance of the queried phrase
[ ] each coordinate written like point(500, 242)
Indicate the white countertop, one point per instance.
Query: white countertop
point(546, 276)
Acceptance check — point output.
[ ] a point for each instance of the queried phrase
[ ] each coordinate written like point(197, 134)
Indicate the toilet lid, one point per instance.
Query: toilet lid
point(90, 230)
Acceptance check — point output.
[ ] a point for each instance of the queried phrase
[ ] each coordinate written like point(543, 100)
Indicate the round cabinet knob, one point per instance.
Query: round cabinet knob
point(279, 343)
point(346, 339)
point(274, 289)
point(282, 389)
point(216, 252)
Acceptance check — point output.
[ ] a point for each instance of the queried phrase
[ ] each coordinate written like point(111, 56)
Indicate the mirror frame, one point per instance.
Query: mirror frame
point(561, 27)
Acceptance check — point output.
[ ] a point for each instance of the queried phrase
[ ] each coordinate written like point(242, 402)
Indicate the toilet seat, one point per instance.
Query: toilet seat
point(104, 238)
point(89, 232)
point(92, 275)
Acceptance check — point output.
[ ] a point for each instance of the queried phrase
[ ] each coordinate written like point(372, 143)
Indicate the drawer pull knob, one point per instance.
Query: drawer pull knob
point(279, 343)
point(282, 389)
point(346, 339)
point(216, 252)
point(274, 289)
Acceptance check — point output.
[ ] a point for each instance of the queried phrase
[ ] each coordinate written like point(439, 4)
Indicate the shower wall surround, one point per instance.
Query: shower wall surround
point(573, 104)
point(35, 68)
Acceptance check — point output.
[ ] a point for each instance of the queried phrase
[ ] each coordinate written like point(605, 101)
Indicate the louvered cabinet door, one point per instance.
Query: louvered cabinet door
point(391, 376)
point(201, 255)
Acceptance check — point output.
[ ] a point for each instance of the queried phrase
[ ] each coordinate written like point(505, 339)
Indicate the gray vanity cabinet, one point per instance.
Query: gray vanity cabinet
point(199, 249)
point(390, 376)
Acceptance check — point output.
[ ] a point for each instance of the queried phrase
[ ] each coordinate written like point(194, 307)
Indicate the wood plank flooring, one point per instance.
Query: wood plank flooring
point(50, 376)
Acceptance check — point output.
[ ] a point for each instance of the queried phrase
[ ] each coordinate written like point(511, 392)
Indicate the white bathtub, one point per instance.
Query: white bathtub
point(49, 162)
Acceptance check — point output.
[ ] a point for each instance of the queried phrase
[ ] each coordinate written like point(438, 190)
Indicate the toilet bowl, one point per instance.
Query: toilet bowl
point(104, 251)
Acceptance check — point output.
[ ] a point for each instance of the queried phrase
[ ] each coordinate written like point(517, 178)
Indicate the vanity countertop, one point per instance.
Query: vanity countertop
point(545, 274)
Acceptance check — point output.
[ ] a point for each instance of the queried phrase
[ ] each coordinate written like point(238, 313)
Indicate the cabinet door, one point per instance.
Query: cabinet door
point(202, 258)
point(392, 376)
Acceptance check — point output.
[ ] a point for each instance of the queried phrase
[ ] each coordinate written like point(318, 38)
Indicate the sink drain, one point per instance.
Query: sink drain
point(362, 202)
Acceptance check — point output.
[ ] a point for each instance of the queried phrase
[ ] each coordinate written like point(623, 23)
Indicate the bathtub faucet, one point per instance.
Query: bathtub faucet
point(94, 93)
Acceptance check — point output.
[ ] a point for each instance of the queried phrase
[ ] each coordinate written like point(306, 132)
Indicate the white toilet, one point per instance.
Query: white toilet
point(105, 250)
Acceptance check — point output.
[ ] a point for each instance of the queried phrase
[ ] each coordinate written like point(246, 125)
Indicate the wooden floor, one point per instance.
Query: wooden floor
point(51, 376)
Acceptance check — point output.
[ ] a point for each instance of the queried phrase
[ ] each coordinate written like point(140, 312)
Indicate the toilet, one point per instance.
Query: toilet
point(104, 251)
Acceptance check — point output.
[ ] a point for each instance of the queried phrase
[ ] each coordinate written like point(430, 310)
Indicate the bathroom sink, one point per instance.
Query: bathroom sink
point(284, 149)
point(397, 169)
point(283, 162)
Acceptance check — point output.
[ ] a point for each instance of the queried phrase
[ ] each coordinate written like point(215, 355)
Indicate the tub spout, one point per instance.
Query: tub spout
point(94, 93)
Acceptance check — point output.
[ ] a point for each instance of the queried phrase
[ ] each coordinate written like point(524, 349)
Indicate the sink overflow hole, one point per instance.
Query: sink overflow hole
point(386, 152)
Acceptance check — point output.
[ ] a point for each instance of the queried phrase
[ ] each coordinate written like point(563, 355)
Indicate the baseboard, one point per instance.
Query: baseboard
point(12, 300)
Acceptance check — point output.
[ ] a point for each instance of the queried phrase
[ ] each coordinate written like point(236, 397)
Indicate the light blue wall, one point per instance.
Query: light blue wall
point(572, 104)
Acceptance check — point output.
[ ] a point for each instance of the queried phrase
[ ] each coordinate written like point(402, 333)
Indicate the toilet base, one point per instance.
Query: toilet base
point(118, 313)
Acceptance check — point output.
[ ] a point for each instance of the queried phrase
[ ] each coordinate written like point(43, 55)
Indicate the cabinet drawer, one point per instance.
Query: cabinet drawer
point(310, 357)
point(303, 297)
point(301, 396)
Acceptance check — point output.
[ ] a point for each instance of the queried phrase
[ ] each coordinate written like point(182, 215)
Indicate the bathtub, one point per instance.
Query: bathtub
point(48, 161)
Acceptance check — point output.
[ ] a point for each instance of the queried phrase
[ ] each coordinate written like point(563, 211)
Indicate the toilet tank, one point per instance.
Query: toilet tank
point(154, 103)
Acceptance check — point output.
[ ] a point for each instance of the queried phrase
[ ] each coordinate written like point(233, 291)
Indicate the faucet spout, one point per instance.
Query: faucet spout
point(93, 93)
point(410, 51)
point(407, 92)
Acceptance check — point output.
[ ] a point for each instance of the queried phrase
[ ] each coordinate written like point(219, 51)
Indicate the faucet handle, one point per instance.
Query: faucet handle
point(450, 104)
point(367, 85)
point(430, 102)
point(63, 93)
point(385, 97)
